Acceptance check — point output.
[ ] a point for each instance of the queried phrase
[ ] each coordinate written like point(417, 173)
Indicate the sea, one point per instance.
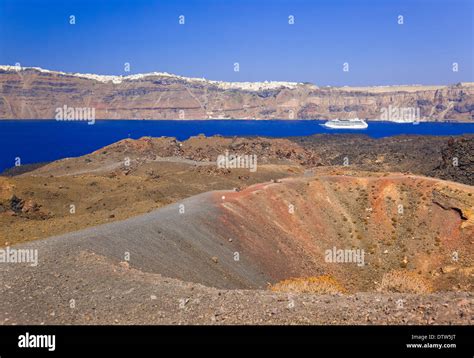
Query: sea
point(34, 141)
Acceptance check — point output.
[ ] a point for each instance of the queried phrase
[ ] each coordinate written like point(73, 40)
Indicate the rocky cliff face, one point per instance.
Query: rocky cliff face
point(33, 93)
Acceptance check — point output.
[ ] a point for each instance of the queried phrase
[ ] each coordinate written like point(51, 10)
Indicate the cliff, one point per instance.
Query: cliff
point(34, 93)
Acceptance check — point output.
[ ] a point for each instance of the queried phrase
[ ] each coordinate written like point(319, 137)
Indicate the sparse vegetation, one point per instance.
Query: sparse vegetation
point(404, 282)
point(318, 284)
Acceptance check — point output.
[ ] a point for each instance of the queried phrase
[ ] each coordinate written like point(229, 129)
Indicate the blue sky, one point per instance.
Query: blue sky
point(256, 34)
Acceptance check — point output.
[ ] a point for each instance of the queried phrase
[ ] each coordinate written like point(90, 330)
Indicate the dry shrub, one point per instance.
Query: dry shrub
point(315, 284)
point(404, 282)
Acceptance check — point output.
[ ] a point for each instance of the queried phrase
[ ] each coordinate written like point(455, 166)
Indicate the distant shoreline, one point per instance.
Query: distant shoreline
point(35, 93)
point(453, 121)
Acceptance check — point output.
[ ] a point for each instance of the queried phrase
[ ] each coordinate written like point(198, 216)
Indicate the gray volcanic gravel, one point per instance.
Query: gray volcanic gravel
point(165, 241)
point(107, 293)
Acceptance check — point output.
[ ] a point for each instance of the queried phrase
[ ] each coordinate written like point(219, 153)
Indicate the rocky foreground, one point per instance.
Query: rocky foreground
point(160, 234)
point(34, 93)
point(93, 290)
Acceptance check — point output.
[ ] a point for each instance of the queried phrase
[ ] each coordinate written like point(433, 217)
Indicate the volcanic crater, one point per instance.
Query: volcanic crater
point(293, 230)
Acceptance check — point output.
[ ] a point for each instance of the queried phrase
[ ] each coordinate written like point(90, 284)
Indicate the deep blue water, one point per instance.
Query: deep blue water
point(39, 141)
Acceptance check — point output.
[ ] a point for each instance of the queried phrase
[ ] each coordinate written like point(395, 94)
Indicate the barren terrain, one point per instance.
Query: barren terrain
point(159, 234)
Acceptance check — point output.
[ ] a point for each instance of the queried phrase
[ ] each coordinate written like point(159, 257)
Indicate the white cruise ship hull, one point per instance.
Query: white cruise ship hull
point(345, 125)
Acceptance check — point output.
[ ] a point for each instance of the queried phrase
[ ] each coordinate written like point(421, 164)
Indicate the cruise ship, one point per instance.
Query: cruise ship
point(354, 123)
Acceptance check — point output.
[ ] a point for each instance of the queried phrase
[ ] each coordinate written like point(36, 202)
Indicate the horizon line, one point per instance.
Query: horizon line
point(116, 79)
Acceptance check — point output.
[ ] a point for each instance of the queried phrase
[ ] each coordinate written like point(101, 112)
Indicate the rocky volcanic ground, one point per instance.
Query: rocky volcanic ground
point(159, 234)
point(106, 293)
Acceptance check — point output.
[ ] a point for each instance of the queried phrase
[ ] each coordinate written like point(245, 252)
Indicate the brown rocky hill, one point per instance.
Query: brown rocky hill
point(450, 158)
point(131, 177)
point(275, 231)
point(31, 93)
